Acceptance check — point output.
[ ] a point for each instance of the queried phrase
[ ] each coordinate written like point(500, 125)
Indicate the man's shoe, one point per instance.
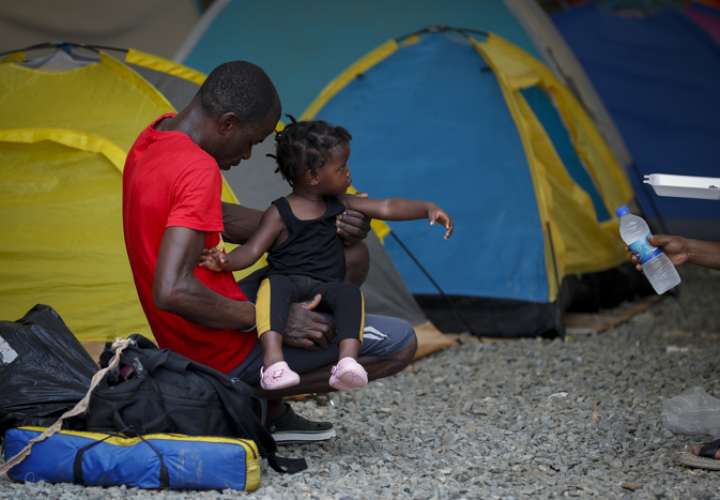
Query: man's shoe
point(289, 427)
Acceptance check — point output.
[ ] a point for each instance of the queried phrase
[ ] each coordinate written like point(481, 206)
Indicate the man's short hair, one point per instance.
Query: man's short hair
point(242, 88)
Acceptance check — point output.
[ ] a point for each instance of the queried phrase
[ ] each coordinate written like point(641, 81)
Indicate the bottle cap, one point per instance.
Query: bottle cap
point(623, 210)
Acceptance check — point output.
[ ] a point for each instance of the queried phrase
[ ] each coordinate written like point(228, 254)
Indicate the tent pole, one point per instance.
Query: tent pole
point(427, 274)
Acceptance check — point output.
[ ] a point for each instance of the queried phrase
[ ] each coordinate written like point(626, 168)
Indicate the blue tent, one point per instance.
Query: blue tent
point(517, 162)
point(657, 72)
point(433, 121)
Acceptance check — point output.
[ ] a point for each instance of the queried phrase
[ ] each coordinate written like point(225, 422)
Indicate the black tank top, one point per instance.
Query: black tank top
point(312, 247)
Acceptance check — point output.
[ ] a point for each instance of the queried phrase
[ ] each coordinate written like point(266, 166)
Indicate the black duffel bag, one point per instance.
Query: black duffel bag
point(159, 391)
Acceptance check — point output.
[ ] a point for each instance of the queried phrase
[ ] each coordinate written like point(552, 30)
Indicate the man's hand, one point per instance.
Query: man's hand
point(307, 329)
point(675, 247)
point(353, 226)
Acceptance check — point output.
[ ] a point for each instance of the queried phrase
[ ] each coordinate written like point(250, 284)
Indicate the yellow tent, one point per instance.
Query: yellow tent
point(68, 116)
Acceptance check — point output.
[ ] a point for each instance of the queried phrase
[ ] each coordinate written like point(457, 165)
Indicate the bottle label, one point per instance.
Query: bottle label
point(643, 249)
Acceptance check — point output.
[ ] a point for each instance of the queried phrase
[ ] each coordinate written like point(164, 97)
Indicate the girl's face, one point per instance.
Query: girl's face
point(334, 177)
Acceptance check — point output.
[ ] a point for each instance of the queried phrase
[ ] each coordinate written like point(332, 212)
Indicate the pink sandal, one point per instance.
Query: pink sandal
point(278, 376)
point(348, 374)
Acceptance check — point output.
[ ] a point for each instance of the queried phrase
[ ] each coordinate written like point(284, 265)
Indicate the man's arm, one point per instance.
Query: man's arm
point(240, 222)
point(681, 250)
point(704, 253)
point(176, 290)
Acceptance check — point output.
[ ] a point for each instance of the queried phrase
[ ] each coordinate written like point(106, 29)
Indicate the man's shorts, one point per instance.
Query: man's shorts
point(384, 336)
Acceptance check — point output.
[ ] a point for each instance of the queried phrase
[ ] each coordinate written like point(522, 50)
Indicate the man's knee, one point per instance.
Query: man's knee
point(398, 360)
point(406, 355)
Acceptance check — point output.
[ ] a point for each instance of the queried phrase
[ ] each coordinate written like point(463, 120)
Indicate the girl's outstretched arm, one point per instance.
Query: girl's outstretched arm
point(246, 255)
point(400, 209)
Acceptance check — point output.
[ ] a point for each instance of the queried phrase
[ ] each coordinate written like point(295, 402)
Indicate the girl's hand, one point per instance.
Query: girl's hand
point(438, 215)
point(213, 258)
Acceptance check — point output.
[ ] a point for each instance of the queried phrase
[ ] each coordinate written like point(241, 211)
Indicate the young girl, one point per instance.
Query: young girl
point(305, 255)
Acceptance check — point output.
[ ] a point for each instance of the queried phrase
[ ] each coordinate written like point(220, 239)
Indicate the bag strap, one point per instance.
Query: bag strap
point(285, 465)
point(78, 477)
point(124, 428)
point(77, 462)
point(81, 407)
point(164, 475)
point(266, 443)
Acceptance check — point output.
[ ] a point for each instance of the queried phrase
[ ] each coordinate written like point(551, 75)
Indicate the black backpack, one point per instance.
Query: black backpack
point(159, 391)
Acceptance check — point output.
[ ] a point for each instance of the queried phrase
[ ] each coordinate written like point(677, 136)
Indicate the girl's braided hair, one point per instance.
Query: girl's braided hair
point(306, 145)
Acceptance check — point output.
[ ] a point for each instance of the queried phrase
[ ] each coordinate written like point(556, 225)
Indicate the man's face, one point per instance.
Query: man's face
point(237, 142)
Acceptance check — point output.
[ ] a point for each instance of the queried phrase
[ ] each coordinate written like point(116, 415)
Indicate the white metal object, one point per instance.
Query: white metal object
point(685, 186)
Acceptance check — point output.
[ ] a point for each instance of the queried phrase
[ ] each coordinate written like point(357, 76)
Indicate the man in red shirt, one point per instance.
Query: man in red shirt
point(172, 210)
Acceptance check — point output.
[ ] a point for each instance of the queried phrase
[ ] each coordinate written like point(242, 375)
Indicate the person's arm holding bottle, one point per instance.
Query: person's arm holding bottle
point(681, 250)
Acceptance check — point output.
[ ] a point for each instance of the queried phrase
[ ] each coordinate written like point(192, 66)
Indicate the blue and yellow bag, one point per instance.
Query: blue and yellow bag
point(171, 461)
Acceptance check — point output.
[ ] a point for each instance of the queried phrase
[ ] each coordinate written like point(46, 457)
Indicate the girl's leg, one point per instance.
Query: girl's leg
point(271, 310)
point(348, 306)
point(349, 348)
point(271, 342)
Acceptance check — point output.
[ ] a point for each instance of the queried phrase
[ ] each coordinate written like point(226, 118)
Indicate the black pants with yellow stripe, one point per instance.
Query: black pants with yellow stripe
point(344, 300)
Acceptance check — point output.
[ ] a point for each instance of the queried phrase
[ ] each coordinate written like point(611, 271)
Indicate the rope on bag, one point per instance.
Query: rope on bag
point(81, 407)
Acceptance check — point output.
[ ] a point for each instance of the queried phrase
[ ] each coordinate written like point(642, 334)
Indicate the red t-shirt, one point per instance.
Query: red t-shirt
point(169, 181)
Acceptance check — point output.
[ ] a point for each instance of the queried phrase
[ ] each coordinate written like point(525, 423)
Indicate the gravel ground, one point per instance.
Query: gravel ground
point(509, 419)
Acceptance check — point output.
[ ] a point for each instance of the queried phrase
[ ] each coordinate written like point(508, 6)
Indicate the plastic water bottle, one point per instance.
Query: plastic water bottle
point(657, 267)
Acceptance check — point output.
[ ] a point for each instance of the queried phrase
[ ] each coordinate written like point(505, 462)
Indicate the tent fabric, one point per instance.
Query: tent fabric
point(63, 140)
point(558, 56)
point(588, 239)
point(162, 65)
point(657, 75)
point(431, 121)
point(158, 26)
point(706, 18)
point(301, 61)
point(304, 47)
